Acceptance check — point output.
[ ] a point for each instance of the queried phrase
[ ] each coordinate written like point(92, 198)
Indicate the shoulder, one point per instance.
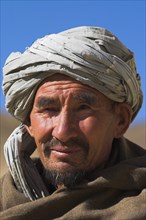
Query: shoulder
point(3, 180)
point(6, 176)
point(9, 195)
point(128, 149)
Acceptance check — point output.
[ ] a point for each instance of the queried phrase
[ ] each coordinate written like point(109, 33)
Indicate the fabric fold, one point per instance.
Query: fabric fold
point(18, 149)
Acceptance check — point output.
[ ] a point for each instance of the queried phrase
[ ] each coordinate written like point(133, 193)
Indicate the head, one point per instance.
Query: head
point(85, 91)
point(74, 126)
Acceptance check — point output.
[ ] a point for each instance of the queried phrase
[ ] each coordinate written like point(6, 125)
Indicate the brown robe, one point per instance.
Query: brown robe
point(116, 192)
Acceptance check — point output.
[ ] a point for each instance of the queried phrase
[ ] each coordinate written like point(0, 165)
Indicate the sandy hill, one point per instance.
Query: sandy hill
point(7, 124)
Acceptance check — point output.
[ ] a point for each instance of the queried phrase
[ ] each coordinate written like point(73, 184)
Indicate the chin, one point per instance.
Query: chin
point(61, 167)
point(67, 177)
point(58, 173)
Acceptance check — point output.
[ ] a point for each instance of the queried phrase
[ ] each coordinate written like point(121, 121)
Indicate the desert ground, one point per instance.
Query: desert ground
point(136, 133)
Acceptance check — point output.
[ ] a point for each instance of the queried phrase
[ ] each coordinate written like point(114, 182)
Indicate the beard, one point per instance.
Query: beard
point(68, 178)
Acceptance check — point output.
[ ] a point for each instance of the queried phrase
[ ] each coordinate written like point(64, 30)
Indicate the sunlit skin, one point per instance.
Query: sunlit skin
point(68, 110)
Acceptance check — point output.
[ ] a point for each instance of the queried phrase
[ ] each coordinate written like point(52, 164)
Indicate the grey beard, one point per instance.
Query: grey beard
point(68, 178)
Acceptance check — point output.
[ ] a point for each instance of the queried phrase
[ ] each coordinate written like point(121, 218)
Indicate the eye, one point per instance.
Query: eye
point(83, 107)
point(50, 111)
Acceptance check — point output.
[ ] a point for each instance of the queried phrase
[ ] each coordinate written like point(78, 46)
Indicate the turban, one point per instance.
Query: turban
point(91, 55)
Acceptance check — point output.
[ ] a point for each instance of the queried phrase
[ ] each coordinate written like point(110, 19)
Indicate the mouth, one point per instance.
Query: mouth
point(64, 152)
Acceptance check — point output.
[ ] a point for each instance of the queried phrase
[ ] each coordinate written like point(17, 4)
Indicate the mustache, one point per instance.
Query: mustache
point(73, 142)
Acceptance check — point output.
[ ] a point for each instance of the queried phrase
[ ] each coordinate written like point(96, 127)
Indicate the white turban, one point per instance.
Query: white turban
point(91, 55)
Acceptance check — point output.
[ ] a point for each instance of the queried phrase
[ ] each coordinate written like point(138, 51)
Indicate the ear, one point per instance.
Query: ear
point(29, 129)
point(124, 115)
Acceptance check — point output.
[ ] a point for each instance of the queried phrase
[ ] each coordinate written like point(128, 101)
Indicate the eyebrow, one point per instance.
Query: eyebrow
point(85, 97)
point(45, 101)
point(89, 99)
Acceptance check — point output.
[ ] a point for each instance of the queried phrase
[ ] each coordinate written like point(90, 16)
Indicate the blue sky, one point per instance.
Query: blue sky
point(22, 22)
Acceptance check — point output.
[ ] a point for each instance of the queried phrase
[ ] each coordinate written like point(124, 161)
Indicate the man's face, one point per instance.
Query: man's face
point(73, 125)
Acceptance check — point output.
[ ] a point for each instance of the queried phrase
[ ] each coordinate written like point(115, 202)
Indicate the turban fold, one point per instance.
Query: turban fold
point(91, 55)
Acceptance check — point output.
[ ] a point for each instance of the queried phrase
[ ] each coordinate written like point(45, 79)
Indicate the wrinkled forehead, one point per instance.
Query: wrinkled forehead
point(59, 84)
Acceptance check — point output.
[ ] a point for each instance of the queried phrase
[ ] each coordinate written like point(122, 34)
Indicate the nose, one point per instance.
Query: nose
point(65, 127)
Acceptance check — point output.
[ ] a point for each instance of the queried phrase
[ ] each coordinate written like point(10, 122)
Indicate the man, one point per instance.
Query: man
point(75, 92)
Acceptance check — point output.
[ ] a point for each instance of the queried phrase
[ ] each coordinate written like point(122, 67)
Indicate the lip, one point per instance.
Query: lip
point(65, 152)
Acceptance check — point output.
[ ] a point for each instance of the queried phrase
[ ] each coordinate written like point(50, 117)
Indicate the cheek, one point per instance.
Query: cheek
point(89, 127)
point(92, 131)
point(41, 128)
point(95, 131)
